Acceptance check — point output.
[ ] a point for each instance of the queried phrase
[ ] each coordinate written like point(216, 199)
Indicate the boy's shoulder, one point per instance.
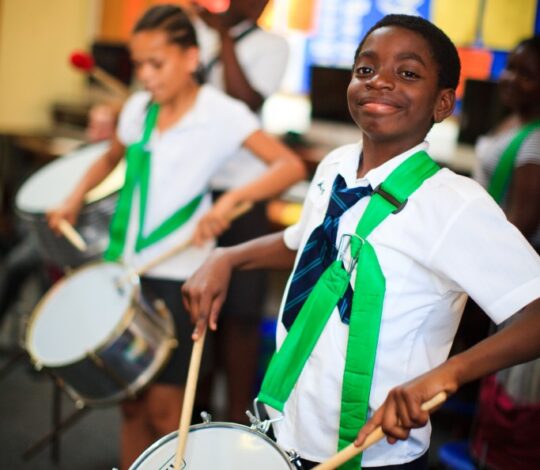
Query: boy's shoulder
point(456, 185)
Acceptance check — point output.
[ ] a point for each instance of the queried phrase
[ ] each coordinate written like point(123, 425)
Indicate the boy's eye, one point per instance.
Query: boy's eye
point(409, 75)
point(156, 63)
point(363, 70)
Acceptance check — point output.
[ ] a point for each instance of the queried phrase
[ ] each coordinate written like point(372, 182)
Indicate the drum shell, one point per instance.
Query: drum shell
point(125, 360)
point(111, 373)
point(92, 225)
point(49, 187)
point(256, 451)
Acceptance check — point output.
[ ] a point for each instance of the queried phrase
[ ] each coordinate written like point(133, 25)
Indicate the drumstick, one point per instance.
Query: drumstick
point(72, 235)
point(189, 399)
point(236, 212)
point(375, 436)
point(85, 62)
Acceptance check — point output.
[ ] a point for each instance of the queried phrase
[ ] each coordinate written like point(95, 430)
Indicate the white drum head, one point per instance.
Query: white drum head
point(78, 314)
point(216, 446)
point(52, 184)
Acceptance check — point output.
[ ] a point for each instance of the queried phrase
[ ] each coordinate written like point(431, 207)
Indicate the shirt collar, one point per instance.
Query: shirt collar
point(348, 167)
point(240, 28)
point(198, 115)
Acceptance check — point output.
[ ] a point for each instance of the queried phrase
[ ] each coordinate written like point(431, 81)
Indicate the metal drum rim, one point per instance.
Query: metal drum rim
point(197, 427)
point(53, 291)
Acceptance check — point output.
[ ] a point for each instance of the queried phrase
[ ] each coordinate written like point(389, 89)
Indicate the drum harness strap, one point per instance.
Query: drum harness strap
point(138, 173)
point(368, 297)
point(500, 179)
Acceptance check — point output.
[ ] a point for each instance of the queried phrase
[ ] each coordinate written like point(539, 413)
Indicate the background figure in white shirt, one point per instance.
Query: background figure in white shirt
point(508, 419)
point(197, 129)
point(519, 87)
point(248, 63)
point(449, 240)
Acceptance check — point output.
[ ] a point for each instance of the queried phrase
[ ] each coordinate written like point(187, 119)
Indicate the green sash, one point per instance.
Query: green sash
point(500, 179)
point(369, 290)
point(138, 173)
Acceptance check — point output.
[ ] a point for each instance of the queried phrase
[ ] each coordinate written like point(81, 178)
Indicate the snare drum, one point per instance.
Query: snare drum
point(93, 330)
point(50, 186)
point(217, 446)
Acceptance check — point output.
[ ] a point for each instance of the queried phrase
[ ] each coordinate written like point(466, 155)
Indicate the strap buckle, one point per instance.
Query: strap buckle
point(343, 248)
point(391, 199)
point(259, 424)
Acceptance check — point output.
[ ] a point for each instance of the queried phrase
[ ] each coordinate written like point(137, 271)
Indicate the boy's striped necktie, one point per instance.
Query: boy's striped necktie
point(320, 250)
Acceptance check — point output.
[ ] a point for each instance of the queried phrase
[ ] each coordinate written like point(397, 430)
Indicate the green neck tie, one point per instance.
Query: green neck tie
point(287, 363)
point(138, 173)
point(498, 184)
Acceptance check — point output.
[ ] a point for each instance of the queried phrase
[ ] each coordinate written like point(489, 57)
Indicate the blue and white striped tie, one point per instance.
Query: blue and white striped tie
point(320, 250)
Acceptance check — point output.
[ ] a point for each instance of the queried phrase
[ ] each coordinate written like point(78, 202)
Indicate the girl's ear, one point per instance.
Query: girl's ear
point(446, 101)
point(192, 56)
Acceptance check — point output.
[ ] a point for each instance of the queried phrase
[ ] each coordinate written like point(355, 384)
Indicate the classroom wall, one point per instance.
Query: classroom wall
point(36, 38)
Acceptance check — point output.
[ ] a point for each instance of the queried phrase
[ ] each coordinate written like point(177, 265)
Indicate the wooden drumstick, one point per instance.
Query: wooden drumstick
point(72, 235)
point(189, 399)
point(85, 62)
point(237, 212)
point(375, 436)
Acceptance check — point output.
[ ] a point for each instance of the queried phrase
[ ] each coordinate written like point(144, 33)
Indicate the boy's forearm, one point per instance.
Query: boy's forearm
point(268, 252)
point(516, 343)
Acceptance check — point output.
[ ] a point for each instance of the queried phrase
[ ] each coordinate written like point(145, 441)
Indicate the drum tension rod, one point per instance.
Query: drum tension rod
point(99, 362)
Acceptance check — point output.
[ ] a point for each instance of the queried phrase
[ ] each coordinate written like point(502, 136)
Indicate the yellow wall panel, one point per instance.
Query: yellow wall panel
point(457, 18)
point(36, 39)
point(506, 23)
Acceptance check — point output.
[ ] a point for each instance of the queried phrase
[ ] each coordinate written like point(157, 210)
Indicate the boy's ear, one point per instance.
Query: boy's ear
point(446, 101)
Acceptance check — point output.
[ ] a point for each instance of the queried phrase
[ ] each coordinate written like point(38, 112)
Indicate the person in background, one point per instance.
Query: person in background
point(232, 59)
point(102, 119)
point(505, 435)
point(509, 157)
point(386, 250)
point(176, 135)
point(24, 259)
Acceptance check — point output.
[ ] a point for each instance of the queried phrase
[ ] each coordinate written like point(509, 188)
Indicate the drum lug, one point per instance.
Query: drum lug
point(166, 317)
point(206, 417)
point(162, 309)
point(294, 458)
point(100, 363)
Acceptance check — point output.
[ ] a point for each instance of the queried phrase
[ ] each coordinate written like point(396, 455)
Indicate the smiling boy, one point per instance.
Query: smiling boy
point(386, 251)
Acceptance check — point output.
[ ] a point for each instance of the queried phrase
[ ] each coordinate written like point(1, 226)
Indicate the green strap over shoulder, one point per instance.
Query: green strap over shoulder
point(138, 173)
point(368, 298)
point(500, 179)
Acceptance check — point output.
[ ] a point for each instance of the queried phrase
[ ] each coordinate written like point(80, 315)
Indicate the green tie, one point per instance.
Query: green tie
point(287, 363)
point(138, 173)
point(500, 179)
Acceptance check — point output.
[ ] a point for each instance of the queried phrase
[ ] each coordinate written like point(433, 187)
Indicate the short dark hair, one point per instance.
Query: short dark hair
point(443, 50)
point(533, 43)
point(171, 19)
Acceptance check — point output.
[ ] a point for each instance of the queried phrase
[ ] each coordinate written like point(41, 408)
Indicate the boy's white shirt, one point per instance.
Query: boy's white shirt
point(184, 159)
point(451, 238)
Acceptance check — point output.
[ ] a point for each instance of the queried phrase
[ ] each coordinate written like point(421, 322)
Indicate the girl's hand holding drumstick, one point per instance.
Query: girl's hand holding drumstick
point(63, 219)
point(218, 219)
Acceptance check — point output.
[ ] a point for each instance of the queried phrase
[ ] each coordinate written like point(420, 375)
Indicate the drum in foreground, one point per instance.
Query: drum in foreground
point(217, 446)
point(50, 186)
point(93, 330)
